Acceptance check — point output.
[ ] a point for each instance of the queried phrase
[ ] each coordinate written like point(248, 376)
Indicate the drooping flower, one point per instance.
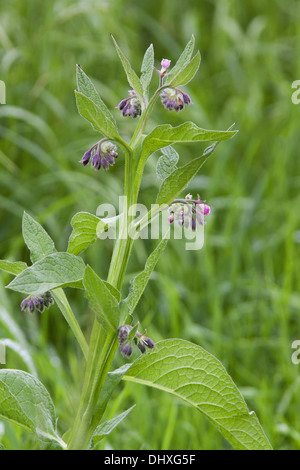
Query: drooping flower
point(102, 154)
point(142, 342)
point(139, 339)
point(188, 211)
point(174, 99)
point(124, 340)
point(130, 106)
point(37, 303)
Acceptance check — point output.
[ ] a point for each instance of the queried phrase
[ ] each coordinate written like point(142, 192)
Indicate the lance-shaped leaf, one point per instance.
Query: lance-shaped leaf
point(96, 116)
point(112, 380)
point(57, 270)
point(165, 135)
point(84, 232)
point(188, 73)
point(36, 238)
point(101, 300)
point(132, 77)
point(138, 283)
point(105, 428)
point(12, 267)
point(189, 372)
point(25, 401)
point(183, 60)
point(87, 88)
point(147, 69)
point(177, 181)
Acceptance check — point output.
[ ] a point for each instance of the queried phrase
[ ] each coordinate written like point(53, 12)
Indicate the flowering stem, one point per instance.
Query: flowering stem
point(103, 347)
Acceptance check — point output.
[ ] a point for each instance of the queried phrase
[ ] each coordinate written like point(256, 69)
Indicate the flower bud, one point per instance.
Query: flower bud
point(87, 156)
point(38, 303)
point(165, 63)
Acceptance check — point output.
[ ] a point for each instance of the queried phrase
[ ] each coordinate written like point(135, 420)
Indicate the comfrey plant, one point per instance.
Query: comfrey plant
point(174, 366)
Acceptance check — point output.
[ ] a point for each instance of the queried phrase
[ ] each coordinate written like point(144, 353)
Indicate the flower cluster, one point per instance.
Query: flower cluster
point(102, 154)
point(38, 303)
point(188, 211)
point(130, 106)
point(125, 341)
point(174, 99)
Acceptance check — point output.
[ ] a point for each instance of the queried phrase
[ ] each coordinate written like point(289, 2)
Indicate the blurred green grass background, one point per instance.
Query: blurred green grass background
point(238, 297)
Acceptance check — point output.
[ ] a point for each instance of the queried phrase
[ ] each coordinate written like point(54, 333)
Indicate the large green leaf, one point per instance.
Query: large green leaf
point(84, 232)
point(101, 300)
point(87, 88)
point(12, 267)
point(105, 428)
point(188, 73)
point(26, 402)
point(96, 116)
point(165, 135)
point(36, 238)
point(138, 283)
point(132, 77)
point(191, 373)
point(56, 270)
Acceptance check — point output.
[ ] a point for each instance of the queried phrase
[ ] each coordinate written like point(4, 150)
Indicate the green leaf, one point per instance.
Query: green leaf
point(132, 77)
point(36, 238)
point(112, 380)
point(57, 270)
point(191, 373)
point(138, 283)
point(188, 73)
point(166, 164)
point(26, 402)
point(87, 88)
point(12, 267)
point(84, 232)
point(101, 300)
point(165, 135)
point(113, 290)
point(96, 116)
point(147, 69)
point(183, 60)
point(105, 428)
point(179, 179)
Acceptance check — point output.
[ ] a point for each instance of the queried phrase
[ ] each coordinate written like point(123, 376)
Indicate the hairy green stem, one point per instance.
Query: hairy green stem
point(103, 347)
